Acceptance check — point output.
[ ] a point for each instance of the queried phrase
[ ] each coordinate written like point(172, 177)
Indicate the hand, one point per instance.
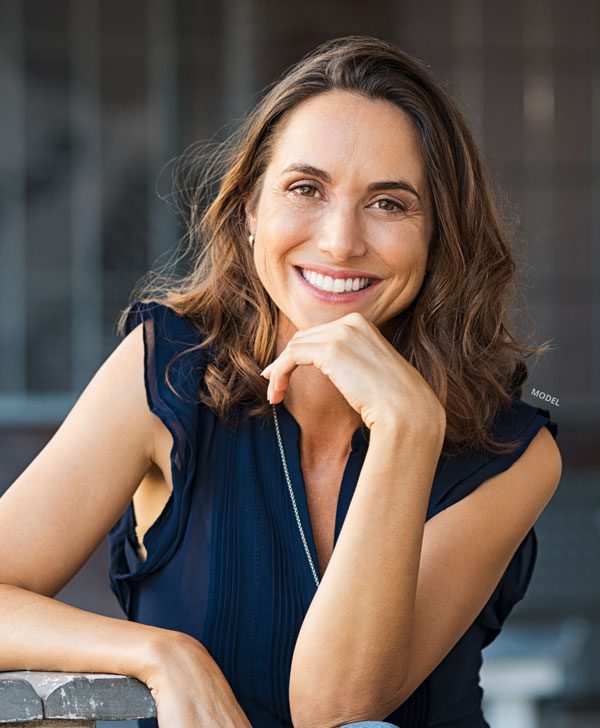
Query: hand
point(189, 688)
point(372, 376)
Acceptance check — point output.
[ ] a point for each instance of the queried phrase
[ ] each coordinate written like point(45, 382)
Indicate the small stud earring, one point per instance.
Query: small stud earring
point(251, 239)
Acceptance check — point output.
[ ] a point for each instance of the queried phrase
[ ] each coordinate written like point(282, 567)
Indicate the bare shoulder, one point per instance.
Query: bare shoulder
point(62, 506)
point(543, 458)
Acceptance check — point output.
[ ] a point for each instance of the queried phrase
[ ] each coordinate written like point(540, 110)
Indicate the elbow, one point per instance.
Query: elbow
point(314, 711)
point(304, 708)
point(322, 711)
point(315, 719)
point(332, 699)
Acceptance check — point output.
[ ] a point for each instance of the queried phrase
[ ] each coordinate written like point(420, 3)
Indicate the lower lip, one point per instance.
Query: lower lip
point(350, 297)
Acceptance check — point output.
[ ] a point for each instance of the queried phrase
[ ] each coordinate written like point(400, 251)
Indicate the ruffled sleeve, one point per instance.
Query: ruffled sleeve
point(165, 335)
point(457, 477)
point(511, 589)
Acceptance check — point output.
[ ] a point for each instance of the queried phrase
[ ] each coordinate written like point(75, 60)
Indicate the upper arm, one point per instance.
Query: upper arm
point(55, 515)
point(466, 550)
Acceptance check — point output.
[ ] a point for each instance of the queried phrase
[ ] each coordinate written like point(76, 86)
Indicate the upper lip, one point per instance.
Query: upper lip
point(338, 272)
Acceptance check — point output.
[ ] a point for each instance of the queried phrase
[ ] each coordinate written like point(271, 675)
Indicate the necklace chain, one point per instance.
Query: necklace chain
point(291, 492)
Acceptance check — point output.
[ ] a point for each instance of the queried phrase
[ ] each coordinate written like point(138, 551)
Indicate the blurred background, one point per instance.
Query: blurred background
point(97, 97)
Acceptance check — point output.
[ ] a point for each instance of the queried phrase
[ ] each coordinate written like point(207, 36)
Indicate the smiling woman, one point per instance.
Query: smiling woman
point(357, 164)
point(339, 545)
point(346, 230)
point(376, 287)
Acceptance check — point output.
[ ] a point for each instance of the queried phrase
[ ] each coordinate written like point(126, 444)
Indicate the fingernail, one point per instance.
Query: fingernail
point(266, 370)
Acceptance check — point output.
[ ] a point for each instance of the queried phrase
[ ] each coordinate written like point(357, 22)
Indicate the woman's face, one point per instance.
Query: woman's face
point(344, 196)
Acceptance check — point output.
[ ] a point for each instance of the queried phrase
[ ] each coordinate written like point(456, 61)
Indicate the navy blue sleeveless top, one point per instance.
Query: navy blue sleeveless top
point(225, 561)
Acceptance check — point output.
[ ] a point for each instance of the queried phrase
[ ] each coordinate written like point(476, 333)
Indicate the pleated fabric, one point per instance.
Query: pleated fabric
point(225, 561)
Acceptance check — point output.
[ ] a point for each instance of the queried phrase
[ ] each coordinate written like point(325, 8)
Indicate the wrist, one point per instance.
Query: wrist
point(157, 651)
point(397, 432)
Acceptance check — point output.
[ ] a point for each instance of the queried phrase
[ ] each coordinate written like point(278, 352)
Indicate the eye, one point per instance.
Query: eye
point(399, 207)
point(391, 205)
point(304, 186)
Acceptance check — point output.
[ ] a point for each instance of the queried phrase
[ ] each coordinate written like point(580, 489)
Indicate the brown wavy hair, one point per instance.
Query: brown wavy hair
point(456, 332)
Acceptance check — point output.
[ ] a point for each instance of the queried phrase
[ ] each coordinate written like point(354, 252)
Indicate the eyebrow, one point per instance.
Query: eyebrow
point(400, 184)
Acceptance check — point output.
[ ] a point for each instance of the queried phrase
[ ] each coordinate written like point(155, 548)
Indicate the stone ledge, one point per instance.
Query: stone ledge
point(72, 699)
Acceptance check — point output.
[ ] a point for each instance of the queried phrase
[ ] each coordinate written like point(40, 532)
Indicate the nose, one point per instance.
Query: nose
point(340, 236)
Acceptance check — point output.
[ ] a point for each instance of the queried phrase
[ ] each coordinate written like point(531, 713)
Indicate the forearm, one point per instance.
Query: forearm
point(355, 640)
point(42, 633)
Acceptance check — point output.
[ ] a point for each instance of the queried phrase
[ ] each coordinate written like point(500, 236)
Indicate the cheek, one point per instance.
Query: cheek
point(288, 221)
point(292, 226)
point(407, 251)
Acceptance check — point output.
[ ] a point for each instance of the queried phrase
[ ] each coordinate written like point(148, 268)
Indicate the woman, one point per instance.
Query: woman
point(339, 545)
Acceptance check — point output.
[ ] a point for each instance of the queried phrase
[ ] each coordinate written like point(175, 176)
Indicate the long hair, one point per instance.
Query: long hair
point(456, 332)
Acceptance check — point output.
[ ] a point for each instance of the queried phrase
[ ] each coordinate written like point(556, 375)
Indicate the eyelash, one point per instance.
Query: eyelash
point(399, 205)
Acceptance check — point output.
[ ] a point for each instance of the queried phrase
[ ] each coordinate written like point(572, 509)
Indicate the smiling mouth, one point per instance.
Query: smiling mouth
point(337, 286)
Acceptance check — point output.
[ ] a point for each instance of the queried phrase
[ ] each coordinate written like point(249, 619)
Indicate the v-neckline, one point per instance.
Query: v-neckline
point(291, 433)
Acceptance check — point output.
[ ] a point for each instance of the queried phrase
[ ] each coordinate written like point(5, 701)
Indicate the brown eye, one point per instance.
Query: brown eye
point(397, 206)
point(304, 187)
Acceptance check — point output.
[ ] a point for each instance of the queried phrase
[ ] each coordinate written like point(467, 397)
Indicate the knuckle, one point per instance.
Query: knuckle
point(355, 318)
point(348, 328)
point(344, 333)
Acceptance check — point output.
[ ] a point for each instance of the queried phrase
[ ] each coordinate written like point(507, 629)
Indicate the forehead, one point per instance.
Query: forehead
point(338, 127)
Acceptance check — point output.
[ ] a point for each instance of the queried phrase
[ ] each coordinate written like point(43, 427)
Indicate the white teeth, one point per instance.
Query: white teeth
point(334, 285)
point(339, 285)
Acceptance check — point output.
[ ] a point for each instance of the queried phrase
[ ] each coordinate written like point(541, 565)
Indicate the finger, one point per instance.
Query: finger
point(315, 338)
point(294, 355)
point(266, 372)
point(354, 319)
point(323, 329)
